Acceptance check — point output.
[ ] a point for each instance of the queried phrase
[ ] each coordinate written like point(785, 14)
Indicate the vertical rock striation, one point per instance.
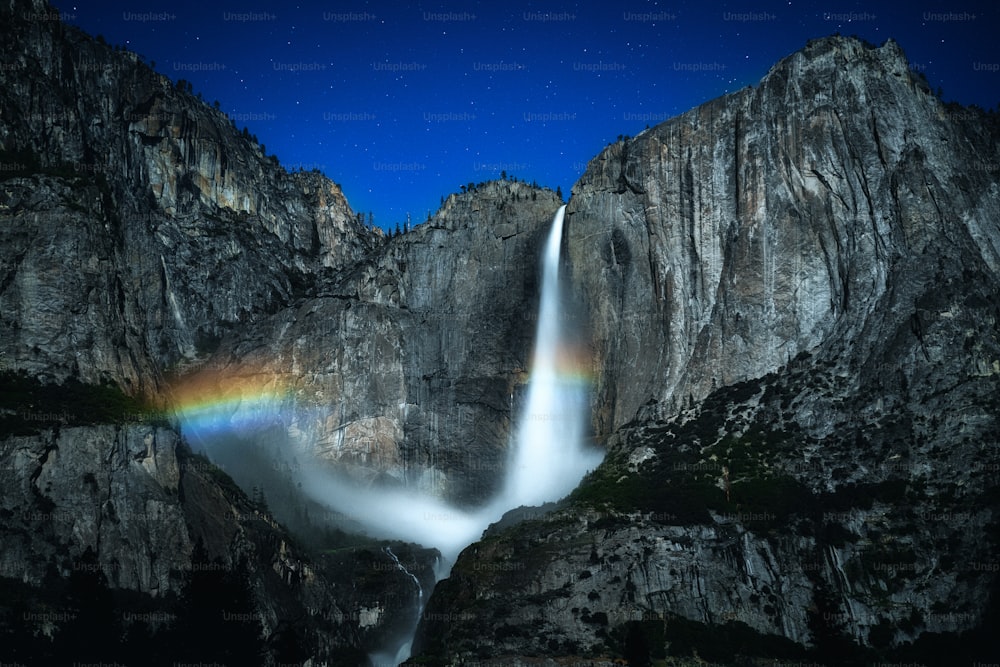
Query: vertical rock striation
point(182, 227)
point(791, 298)
point(774, 220)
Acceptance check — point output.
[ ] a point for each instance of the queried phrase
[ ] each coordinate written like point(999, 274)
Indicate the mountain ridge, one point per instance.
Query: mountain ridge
point(789, 296)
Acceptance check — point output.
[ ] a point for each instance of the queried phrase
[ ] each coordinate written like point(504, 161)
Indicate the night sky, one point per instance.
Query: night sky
point(404, 105)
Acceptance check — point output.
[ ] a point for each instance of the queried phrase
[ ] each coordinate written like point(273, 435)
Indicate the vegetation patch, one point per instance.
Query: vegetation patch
point(28, 405)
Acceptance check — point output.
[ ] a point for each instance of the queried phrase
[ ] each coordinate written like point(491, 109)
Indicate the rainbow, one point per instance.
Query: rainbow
point(244, 398)
point(239, 400)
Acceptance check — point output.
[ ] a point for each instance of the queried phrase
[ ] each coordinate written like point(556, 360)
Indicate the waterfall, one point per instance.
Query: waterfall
point(187, 347)
point(548, 456)
point(401, 568)
point(392, 658)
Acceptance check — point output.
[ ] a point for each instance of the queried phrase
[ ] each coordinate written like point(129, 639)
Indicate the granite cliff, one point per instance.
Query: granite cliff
point(152, 253)
point(793, 298)
point(406, 370)
point(181, 226)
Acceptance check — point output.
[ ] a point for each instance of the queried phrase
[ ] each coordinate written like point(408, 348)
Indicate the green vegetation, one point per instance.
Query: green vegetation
point(27, 405)
point(673, 640)
point(713, 463)
point(741, 456)
point(695, 463)
point(724, 643)
point(25, 162)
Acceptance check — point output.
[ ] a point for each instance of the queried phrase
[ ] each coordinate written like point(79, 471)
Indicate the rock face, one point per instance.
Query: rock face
point(138, 227)
point(187, 231)
point(773, 221)
point(146, 239)
point(796, 330)
point(130, 507)
point(182, 227)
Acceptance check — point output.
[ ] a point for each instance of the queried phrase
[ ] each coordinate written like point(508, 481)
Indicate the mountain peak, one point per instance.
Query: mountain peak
point(464, 207)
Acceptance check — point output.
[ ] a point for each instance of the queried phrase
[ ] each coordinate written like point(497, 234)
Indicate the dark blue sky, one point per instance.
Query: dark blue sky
point(401, 105)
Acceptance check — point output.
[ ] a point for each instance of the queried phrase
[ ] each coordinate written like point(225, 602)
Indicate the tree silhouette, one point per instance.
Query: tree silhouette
point(637, 647)
point(217, 619)
point(92, 632)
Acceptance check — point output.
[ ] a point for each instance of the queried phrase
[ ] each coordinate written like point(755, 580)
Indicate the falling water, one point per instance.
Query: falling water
point(402, 652)
point(416, 582)
point(548, 457)
point(548, 454)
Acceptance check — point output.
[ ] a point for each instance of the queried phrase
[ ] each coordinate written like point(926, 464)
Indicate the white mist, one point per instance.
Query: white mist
point(548, 454)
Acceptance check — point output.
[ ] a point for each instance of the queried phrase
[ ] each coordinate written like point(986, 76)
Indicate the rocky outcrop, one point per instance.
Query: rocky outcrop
point(791, 298)
point(189, 232)
point(735, 530)
point(795, 319)
point(182, 227)
point(139, 226)
point(127, 506)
